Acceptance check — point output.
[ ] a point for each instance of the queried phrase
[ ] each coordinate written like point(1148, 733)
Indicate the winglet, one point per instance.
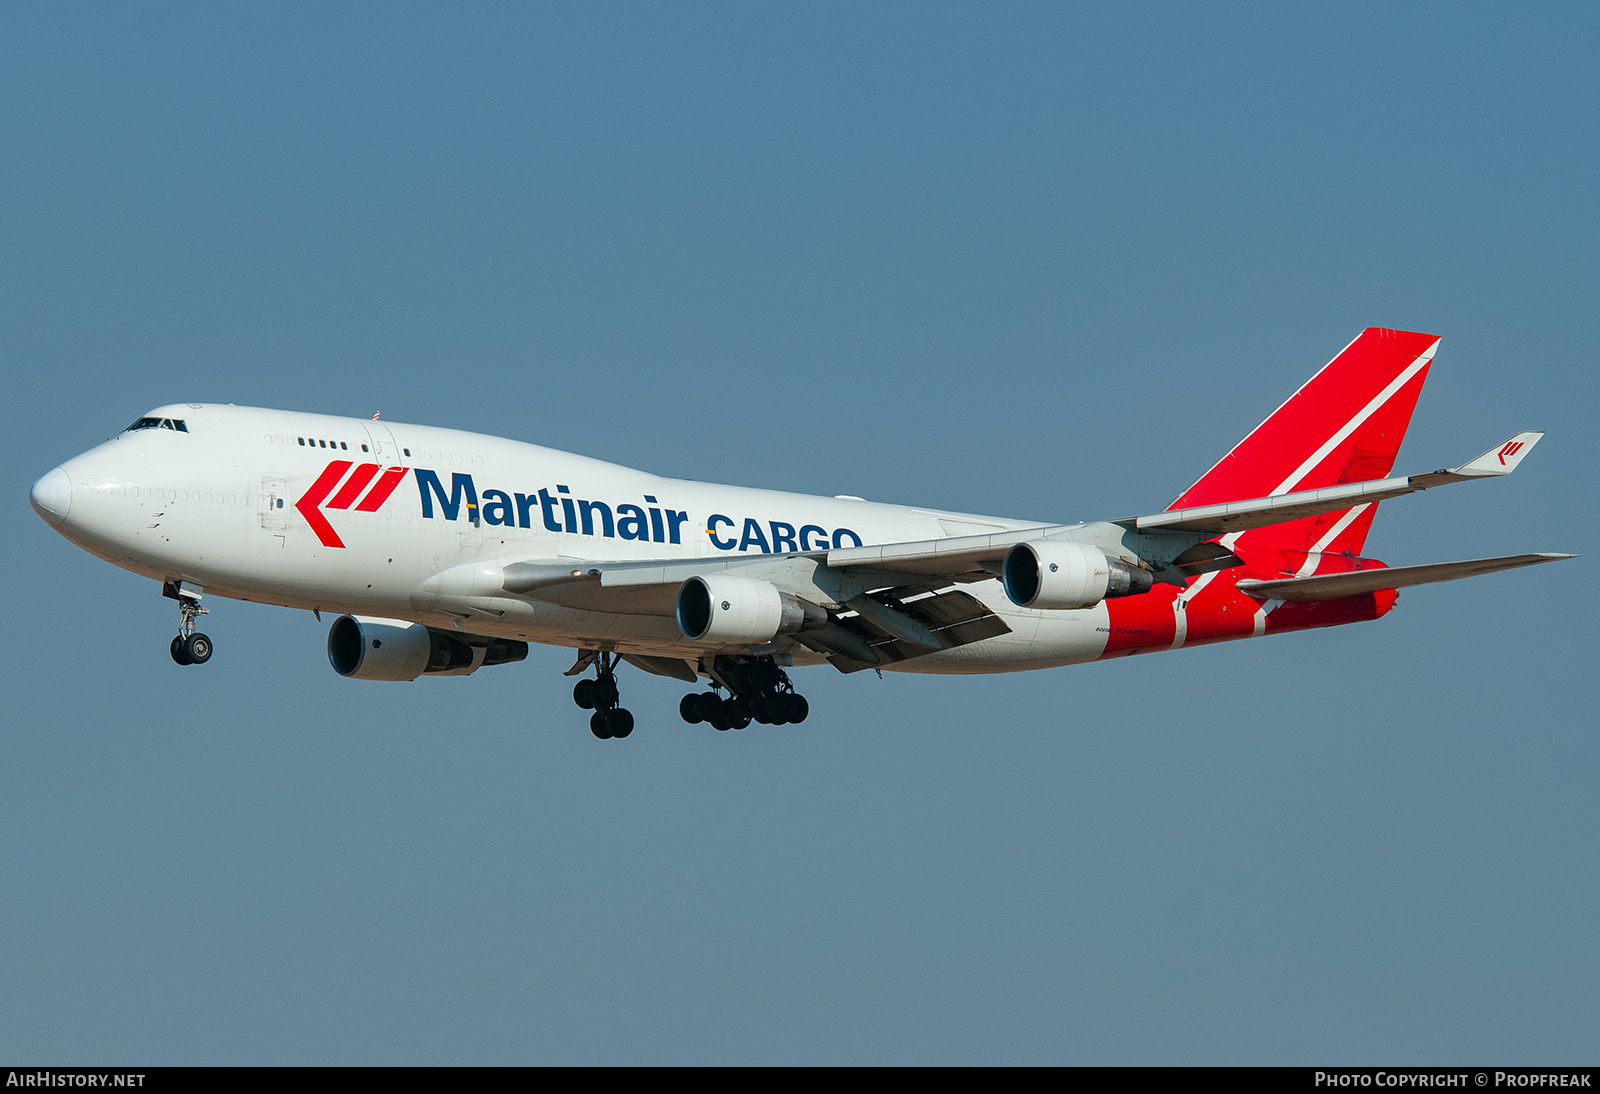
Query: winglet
point(1503, 459)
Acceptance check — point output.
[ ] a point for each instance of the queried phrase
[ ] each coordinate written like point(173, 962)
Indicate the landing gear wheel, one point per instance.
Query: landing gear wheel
point(600, 695)
point(710, 707)
point(689, 709)
point(758, 690)
point(619, 722)
point(197, 648)
point(583, 694)
point(190, 647)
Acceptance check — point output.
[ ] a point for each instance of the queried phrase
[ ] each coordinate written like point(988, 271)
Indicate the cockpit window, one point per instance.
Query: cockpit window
point(157, 423)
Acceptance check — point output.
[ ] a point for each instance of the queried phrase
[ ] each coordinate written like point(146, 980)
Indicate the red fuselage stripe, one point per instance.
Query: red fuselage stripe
point(312, 498)
point(380, 493)
point(352, 489)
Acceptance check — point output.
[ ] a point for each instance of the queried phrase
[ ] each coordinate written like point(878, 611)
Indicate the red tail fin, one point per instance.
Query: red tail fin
point(1345, 424)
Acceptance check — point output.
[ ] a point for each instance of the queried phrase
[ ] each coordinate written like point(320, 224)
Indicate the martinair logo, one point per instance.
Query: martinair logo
point(344, 484)
point(1511, 449)
point(313, 501)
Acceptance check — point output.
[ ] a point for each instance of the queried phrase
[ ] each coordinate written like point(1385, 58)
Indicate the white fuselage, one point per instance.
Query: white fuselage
point(232, 502)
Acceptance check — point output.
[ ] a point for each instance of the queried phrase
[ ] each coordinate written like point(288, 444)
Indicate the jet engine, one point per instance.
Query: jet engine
point(1065, 574)
point(364, 648)
point(741, 610)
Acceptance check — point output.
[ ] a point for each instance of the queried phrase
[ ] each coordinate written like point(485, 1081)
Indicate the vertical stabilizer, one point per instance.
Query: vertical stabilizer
point(1344, 425)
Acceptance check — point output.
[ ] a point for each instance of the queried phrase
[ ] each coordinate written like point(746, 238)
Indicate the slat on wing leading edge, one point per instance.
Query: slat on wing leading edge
point(939, 557)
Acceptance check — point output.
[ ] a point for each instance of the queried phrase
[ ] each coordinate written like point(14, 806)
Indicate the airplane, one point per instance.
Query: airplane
point(445, 551)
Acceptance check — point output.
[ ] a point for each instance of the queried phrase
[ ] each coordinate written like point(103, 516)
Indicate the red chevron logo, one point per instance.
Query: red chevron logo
point(318, 498)
point(1511, 449)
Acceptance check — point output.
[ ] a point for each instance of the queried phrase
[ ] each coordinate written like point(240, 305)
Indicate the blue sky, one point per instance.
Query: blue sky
point(1043, 261)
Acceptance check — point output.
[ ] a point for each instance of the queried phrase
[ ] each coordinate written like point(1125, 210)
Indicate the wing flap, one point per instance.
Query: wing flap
point(954, 618)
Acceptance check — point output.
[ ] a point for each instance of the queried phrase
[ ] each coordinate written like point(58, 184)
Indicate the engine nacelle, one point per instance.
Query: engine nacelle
point(741, 610)
point(1065, 574)
point(364, 648)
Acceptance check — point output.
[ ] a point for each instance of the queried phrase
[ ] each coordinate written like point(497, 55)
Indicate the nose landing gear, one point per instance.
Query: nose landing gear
point(189, 647)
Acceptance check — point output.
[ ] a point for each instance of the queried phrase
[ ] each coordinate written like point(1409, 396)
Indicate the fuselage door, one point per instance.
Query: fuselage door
point(274, 506)
point(384, 450)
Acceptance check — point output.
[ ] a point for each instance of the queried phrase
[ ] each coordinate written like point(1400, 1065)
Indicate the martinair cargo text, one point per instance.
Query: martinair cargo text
point(446, 551)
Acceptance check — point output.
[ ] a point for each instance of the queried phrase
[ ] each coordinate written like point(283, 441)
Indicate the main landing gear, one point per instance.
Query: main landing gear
point(189, 647)
point(759, 692)
point(600, 695)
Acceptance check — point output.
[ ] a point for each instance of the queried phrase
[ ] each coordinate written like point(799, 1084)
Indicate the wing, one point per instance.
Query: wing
point(875, 616)
point(889, 602)
point(1238, 516)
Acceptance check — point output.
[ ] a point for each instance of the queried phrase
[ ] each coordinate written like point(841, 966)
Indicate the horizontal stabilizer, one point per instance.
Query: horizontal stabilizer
point(1334, 586)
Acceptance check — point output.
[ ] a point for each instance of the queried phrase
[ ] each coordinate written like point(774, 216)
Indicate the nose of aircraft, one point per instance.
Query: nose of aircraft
point(51, 496)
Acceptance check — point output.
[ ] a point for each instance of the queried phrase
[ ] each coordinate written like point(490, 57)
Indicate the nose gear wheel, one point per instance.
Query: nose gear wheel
point(189, 647)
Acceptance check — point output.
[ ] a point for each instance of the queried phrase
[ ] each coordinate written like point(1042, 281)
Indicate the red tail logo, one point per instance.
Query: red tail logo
point(313, 501)
point(1511, 449)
